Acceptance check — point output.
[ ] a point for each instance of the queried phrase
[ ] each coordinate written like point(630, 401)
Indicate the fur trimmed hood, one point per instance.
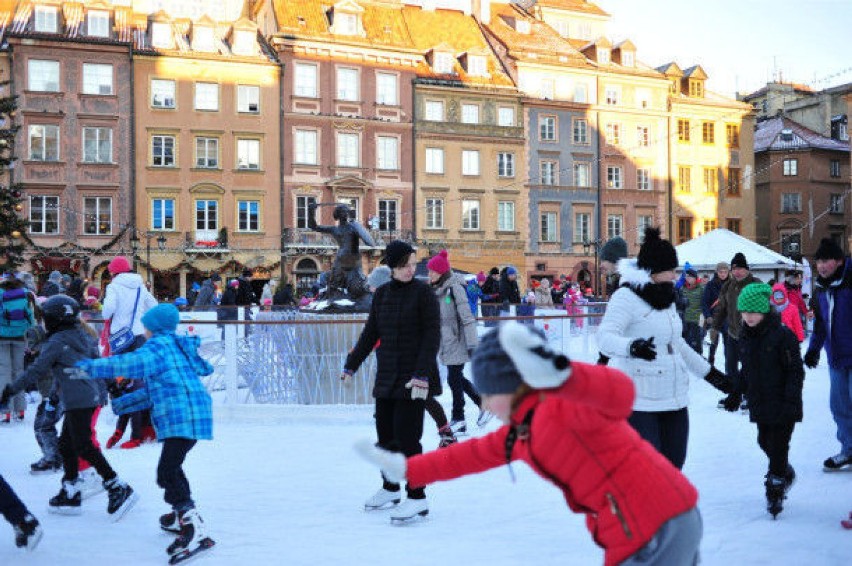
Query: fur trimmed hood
point(633, 275)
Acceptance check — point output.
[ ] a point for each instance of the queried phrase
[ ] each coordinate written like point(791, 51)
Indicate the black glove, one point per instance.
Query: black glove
point(719, 380)
point(470, 353)
point(732, 402)
point(644, 349)
point(712, 358)
point(812, 358)
point(6, 395)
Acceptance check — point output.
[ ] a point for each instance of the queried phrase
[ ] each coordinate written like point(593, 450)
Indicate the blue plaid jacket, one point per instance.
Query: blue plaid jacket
point(170, 366)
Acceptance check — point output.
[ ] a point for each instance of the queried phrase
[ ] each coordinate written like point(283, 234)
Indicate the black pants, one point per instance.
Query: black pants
point(75, 441)
point(667, 431)
point(399, 427)
point(436, 411)
point(460, 386)
point(774, 440)
point(694, 336)
point(11, 507)
point(170, 474)
point(732, 356)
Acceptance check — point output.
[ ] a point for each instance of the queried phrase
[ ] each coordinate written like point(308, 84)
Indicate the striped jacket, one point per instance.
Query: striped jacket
point(170, 367)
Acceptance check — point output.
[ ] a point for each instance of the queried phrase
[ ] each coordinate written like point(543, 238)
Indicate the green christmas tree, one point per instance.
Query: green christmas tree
point(13, 225)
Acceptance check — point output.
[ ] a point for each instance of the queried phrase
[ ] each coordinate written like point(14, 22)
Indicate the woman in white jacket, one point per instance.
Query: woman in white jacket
point(641, 334)
point(121, 296)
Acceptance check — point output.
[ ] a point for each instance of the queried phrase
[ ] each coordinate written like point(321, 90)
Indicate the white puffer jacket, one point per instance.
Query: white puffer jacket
point(662, 384)
point(119, 299)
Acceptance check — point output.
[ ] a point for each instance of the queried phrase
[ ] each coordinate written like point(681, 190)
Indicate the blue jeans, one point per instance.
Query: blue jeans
point(170, 474)
point(840, 402)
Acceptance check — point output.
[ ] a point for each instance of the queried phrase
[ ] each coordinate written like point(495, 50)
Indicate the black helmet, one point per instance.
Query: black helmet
point(60, 310)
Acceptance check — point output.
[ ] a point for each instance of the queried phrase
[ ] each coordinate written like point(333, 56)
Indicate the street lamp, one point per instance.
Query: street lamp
point(134, 246)
point(588, 247)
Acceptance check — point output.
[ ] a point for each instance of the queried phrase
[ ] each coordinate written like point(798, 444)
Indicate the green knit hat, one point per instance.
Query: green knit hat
point(754, 298)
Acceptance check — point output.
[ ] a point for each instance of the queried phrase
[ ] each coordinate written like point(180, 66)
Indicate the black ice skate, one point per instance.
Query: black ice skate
point(446, 436)
point(838, 463)
point(170, 523)
point(67, 501)
point(775, 486)
point(192, 540)
point(45, 467)
point(789, 479)
point(121, 498)
point(28, 533)
point(459, 427)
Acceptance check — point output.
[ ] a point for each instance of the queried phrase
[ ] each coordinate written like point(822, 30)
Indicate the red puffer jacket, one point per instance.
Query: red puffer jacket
point(579, 439)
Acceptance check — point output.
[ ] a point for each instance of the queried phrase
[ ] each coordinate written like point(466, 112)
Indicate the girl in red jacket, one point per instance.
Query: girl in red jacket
point(568, 421)
point(788, 311)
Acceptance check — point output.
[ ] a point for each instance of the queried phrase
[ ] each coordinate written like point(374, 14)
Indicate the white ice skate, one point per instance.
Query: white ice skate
point(383, 499)
point(89, 483)
point(410, 511)
point(192, 540)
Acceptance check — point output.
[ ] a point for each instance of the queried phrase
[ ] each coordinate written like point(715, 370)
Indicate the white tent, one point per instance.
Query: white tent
point(704, 252)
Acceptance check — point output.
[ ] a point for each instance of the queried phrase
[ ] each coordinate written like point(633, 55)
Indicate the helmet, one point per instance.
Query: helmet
point(60, 309)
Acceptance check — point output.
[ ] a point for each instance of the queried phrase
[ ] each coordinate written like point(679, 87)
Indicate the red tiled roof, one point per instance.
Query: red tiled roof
point(542, 40)
point(582, 6)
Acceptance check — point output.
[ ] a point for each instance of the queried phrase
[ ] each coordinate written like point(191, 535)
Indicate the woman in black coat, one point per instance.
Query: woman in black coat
point(405, 320)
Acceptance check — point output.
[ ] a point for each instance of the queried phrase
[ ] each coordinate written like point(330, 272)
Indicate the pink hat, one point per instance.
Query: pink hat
point(93, 292)
point(267, 302)
point(119, 264)
point(481, 277)
point(234, 283)
point(439, 264)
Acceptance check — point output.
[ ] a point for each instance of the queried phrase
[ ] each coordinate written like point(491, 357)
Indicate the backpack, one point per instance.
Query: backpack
point(16, 315)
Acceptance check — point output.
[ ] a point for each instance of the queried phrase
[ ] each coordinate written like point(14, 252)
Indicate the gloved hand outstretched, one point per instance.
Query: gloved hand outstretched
point(719, 380)
point(76, 373)
point(644, 349)
point(419, 387)
point(346, 376)
point(733, 401)
point(812, 358)
point(392, 464)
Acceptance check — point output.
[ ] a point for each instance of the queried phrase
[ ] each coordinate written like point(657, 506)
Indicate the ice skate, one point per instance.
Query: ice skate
point(192, 540)
point(170, 523)
point(459, 427)
point(789, 479)
point(67, 501)
point(121, 498)
point(383, 499)
point(838, 463)
point(483, 418)
point(28, 533)
point(89, 483)
point(847, 523)
point(774, 494)
point(410, 511)
point(447, 437)
point(44, 466)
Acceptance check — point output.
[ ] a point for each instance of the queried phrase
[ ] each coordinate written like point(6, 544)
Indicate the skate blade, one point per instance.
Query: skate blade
point(171, 530)
point(384, 506)
point(846, 468)
point(187, 555)
point(84, 495)
point(399, 521)
point(44, 472)
point(71, 511)
point(34, 539)
point(125, 507)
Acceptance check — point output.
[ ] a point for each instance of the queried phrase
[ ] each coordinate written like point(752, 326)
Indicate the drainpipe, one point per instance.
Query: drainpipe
point(281, 196)
point(670, 182)
point(132, 208)
point(413, 162)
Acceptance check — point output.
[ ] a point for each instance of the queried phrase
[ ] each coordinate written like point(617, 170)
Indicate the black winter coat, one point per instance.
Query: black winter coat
point(405, 319)
point(772, 374)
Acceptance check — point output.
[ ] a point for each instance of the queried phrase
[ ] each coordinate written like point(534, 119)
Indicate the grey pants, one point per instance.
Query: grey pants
point(676, 542)
point(44, 426)
point(11, 366)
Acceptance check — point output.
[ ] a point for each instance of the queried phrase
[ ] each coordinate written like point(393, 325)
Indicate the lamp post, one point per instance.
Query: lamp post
point(134, 246)
point(161, 245)
point(589, 247)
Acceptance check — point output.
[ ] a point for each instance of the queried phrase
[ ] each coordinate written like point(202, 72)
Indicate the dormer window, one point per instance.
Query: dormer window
point(45, 19)
point(443, 62)
point(674, 86)
point(786, 135)
point(346, 24)
point(202, 38)
point(97, 24)
point(603, 56)
point(476, 65)
point(245, 42)
point(628, 59)
point(161, 35)
point(696, 89)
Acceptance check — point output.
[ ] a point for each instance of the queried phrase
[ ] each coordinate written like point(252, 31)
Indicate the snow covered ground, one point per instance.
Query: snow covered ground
point(281, 485)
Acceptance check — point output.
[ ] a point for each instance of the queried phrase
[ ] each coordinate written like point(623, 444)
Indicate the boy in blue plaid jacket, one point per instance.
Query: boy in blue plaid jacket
point(181, 411)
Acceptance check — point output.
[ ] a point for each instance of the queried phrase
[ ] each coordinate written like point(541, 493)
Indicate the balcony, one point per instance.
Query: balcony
point(304, 241)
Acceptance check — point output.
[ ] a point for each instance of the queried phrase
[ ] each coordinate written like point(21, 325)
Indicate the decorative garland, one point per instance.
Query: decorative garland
point(76, 248)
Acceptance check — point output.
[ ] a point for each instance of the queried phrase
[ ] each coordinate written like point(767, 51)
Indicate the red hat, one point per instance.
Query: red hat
point(439, 264)
point(535, 283)
point(481, 277)
point(119, 264)
point(93, 292)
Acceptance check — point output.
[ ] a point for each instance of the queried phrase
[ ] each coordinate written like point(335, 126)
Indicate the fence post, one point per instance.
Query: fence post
point(586, 321)
point(231, 362)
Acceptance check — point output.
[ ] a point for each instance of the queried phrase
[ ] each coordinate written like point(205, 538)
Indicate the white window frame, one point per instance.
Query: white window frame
point(97, 23)
point(470, 113)
point(549, 226)
point(100, 203)
point(643, 136)
point(245, 42)
point(208, 221)
point(165, 88)
point(46, 19)
point(582, 227)
point(305, 80)
point(165, 220)
point(248, 154)
point(628, 59)
point(580, 131)
point(505, 164)
point(443, 62)
point(46, 152)
point(548, 170)
point(165, 141)
point(614, 226)
point(345, 23)
point(97, 79)
point(477, 65)
point(434, 213)
point(161, 35)
point(791, 167)
point(388, 215)
point(387, 153)
point(387, 89)
point(711, 180)
point(506, 116)
point(614, 177)
point(303, 202)
point(643, 221)
point(434, 110)
point(248, 220)
point(306, 147)
point(835, 203)
point(248, 99)
point(203, 39)
point(43, 75)
point(643, 179)
point(45, 214)
point(470, 162)
point(547, 127)
point(613, 133)
point(791, 203)
point(435, 160)
point(581, 93)
point(203, 147)
point(470, 214)
point(506, 216)
point(102, 145)
point(582, 172)
point(612, 95)
point(547, 89)
point(206, 97)
point(348, 149)
point(348, 83)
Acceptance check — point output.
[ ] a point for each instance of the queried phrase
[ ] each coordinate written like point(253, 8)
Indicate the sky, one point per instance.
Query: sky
point(740, 43)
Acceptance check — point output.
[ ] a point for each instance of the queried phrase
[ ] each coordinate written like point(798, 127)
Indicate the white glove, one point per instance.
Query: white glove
point(419, 388)
point(392, 464)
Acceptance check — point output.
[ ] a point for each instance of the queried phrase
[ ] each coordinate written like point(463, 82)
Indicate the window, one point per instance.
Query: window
point(306, 80)
point(354, 206)
point(345, 24)
point(614, 226)
point(628, 59)
point(202, 38)
point(613, 177)
point(386, 89)
point(791, 202)
point(604, 57)
point(387, 153)
point(387, 214)
point(835, 204)
point(643, 221)
point(643, 136)
point(44, 143)
point(207, 153)
point(248, 99)
point(709, 225)
point(347, 84)
point(506, 216)
point(547, 89)
point(206, 215)
point(582, 227)
point(161, 35)
point(245, 43)
point(163, 151)
point(708, 132)
point(684, 230)
point(97, 145)
point(711, 183)
point(306, 147)
point(302, 204)
point(732, 135)
point(549, 222)
point(562, 28)
point(45, 19)
point(477, 65)
point(582, 175)
point(791, 167)
point(434, 110)
point(696, 89)
point(505, 164)
point(206, 96)
point(43, 76)
point(162, 93)
point(443, 62)
point(643, 98)
point(733, 183)
point(581, 93)
point(470, 215)
point(734, 225)
point(434, 213)
point(613, 134)
point(97, 24)
point(348, 150)
point(163, 214)
point(547, 128)
point(684, 179)
point(548, 174)
point(683, 131)
point(470, 162)
point(581, 131)
point(506, 116)
point(248, 154)
point(97, 79)
point(834, 168)
point(470, 114)
point(248, 216)
point(643, 179)
point(44, 215)
point(612, 95)
point(97, 215)
point(435, 160)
